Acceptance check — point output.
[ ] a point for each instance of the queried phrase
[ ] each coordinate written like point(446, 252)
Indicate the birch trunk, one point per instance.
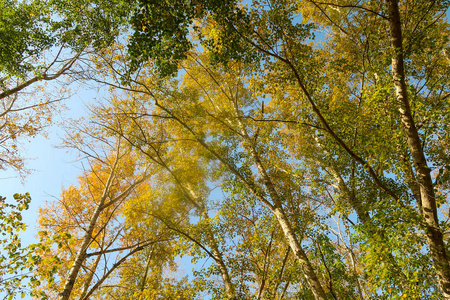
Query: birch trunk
point(80, 257)
point(307, 268)
point(427, 196)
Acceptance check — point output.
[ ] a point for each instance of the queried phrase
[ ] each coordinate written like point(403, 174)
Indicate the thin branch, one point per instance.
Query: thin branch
point(351, 6)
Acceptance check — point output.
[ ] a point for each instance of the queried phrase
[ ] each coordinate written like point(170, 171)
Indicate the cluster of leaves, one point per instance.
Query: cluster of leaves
point(18, 262)
point(24, 35)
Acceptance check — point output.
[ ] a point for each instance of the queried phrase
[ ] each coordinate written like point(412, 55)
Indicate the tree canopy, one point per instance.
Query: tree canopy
point(289, 149)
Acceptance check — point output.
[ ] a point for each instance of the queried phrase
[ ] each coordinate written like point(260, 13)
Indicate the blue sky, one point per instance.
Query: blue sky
point(51, 168)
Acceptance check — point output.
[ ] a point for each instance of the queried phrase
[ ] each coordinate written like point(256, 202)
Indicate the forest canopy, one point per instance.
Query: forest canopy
point(290, 149)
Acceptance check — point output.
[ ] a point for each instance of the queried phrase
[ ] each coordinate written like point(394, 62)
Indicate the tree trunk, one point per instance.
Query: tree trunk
point(308, 270)
point(80, 257)
point(218, 257)
point(81, 254)
point(427, 195)
point(229, 287)
point(89, 278)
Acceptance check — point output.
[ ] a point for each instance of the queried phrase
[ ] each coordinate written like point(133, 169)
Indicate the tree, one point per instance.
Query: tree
point(42, 42)
point(185, 181)
point(279, 47)
point(90, 216)
point(324, 124)
point(193, 114)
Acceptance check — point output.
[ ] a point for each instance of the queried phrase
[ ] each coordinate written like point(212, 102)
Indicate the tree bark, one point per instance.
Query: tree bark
point(79, 259)
point(307, 268)
point(427, 196)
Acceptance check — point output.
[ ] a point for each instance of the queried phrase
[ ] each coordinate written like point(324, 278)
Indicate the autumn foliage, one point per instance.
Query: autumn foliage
point(247, 150)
